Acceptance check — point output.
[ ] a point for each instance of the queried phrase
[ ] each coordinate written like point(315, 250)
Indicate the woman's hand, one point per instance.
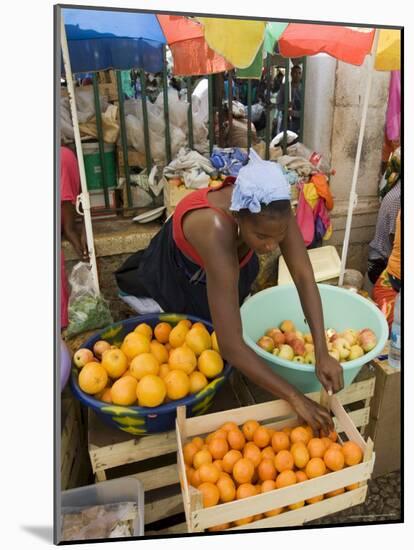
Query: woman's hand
point(313, 414)
point(329, 373)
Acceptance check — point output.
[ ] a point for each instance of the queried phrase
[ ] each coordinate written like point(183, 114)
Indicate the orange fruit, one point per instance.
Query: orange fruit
point(221, 527)
point(218, 464)
point(115, 362)
point(185, 323)
point(249, 428)
point(162, 332)
point(266, 469)
point(227, 489)
point(198, 325)
point(195, 478)
point(352, 452)
point(268, 452)
point(202, 457)
point(182, 358)
point(316, 447)
point(189, 472)
point(334, 459)
point(230, 459)
point(127, 373)
point(243, 470)
point(280, 442)
point(218, 447)
point(309, 429)
point(189, 450)
point(92, 378)
point(106, 396)
point(352, 486)
point(198, 442)
point(198, 339)
point(243, 521)
point(301, 476)
point(225, 475)
point(134, 344)
point(164, 370)
point(211, 494)
point(124, 391)
point(177, 335)
point(151, 391)
point(210, 363)
point(177, 383)
point(287, 430)
point(214, 343)
point(220, 433)
point(227, 426)
point(333, 436)
point(197, 381)
point(300, 456)
point(245, 490)
point(285, 478)
point(314, 500)
point(143, 364)
point(274, 512)
point(296, 505)
point(336, 446)
point(300, 434)
point(335, 493)
point(261, 437)
point(159, 352)
point(236, 439)
point(315, 467)
point(326, 441)
point(252, 452)
point(258, 517)
point(144, 329)
point(268, 485)
point(284, 461)
point(209, 472)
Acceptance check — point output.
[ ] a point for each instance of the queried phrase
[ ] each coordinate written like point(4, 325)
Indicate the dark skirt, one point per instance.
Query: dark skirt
point(163, 273)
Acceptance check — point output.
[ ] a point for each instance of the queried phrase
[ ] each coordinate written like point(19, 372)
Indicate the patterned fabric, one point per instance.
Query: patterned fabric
point(392, 173)
point(384, 296)
point(381, 246)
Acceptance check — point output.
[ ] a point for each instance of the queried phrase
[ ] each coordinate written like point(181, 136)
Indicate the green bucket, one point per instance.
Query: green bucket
point(93, 169)
point(342, 309)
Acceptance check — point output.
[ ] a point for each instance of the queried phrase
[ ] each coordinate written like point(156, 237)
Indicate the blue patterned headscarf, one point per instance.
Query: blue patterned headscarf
point(259, 182)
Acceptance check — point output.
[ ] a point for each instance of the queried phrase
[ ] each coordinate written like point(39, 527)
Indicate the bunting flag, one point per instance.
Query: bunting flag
point(348, 44)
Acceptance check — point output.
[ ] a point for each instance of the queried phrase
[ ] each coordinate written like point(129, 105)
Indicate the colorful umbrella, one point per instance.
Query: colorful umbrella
point(99, 40)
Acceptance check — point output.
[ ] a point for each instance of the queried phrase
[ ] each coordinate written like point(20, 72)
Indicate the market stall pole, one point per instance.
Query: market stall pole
point(353, 197)
point(83, 198)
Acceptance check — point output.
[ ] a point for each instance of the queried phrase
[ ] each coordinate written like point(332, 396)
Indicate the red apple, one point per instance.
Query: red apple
point(100, 347)
point(266, 343)
point(298, 347)
point(287, 326)
point(290, 337)
point(367, 339)
point(82, 356)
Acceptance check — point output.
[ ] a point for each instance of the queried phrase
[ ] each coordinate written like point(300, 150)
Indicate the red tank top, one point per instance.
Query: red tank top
point(194, 201)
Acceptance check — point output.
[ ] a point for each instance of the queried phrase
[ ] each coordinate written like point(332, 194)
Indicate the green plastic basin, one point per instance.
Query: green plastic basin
point(342, 309)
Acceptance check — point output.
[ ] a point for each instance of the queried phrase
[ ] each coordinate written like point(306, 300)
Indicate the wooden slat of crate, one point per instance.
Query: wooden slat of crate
point(198, 518)
point(164, 508)
point(309, 513)
point(179, 529)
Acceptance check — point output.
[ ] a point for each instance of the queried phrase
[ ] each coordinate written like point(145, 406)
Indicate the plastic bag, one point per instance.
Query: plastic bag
point(87, 309)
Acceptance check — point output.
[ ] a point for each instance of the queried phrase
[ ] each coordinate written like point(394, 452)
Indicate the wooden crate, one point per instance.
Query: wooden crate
point(135, 160)
point(74, 469)
point(153, 460)
point(107, 89)
point(384, 426)
point(173, 195)
point(278, 414)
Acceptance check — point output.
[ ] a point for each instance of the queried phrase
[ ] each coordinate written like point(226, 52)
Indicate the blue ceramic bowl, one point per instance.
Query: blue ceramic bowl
point(147, 420)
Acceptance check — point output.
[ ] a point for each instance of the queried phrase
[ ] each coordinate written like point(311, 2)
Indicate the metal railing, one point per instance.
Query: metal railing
point(214, 109)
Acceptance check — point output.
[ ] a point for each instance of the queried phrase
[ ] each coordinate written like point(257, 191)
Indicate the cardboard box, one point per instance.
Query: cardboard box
point(173, 195)
point(384, 426)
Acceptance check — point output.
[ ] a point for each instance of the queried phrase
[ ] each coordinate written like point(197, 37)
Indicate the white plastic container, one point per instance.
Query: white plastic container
point(126, 489)
point(326, 265)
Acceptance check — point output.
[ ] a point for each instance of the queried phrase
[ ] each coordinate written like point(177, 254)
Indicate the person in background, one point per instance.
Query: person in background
point(69, 190)
point(203, 262)
point(277, 81)
point(295, 103)
point(381, 246)
point(388, 284)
